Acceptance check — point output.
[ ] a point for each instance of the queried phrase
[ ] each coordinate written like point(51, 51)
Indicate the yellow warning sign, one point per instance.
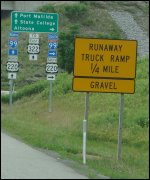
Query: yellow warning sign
point(103, 85)
point(105, 58)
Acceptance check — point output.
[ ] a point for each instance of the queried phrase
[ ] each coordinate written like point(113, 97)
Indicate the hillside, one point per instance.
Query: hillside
point(89, 19)
point(61, 130)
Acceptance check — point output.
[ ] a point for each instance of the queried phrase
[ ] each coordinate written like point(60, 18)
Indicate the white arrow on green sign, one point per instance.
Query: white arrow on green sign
point(34, 22)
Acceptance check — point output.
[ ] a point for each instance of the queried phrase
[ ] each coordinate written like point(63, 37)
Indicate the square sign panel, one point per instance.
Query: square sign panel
point(52, 53)
point(105, 58)
point(13, 52)
point(11, 75)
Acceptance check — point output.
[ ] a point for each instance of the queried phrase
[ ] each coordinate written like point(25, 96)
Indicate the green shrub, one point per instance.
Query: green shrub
point(74, 12)
point(142, 121)
point(5, 98)
point(66, 48)
point(47, 8)
point(142, 70)
point(61, 86)
point(88, 22)
point(108, 36)
point(27, 90)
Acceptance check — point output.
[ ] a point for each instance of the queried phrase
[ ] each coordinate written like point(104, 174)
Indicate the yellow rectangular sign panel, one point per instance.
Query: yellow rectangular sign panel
point(105, 58)
point(103, 85)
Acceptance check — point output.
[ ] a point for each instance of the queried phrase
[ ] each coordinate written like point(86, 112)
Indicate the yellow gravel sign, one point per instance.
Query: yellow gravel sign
point(103, 85)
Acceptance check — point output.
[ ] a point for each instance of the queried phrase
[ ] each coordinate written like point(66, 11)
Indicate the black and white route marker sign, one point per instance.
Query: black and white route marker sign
point(12, 58)
point(50, 76)
point(33, 48)
point(33, 38)
point(51, 60)
point(34, 41)
point(12, 66)
point(11, 75)
point(51, 68)
point(33, 35)
point(33, 57)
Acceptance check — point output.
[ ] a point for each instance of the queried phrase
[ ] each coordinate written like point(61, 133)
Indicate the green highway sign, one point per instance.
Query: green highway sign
point(34, 22)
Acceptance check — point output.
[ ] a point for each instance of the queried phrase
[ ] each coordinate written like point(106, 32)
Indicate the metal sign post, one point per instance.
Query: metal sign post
point(85, 124)
point(51, 65)
point(10, 93)
point(50, 97)
point(120, 126)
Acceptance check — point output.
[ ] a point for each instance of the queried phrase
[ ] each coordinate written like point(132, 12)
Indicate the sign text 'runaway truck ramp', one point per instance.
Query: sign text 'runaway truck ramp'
point(105, 58)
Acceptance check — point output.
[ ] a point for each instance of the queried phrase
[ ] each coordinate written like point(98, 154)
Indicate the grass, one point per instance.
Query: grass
point(94, 22)
point(61, 130)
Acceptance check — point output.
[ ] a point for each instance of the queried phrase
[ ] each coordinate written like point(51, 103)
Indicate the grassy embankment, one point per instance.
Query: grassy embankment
point(61, 130)
point(79, 19)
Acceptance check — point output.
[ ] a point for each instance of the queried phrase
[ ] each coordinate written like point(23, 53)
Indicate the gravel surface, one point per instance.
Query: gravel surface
point(126, 22)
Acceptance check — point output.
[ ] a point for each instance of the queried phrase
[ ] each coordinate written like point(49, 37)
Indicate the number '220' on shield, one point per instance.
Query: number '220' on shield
point(51, 68)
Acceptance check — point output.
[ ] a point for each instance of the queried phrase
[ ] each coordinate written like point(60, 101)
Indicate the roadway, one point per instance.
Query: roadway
point(20, 161)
